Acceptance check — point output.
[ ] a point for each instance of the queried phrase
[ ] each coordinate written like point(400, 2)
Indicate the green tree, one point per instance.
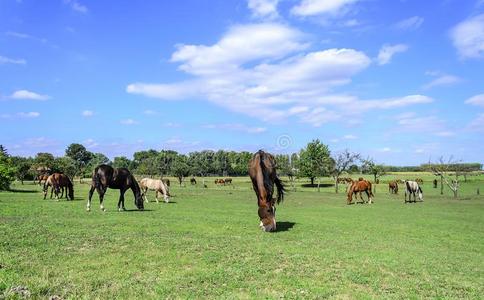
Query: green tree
point(96, 160)
point(23, 167)
point(44, 160)
point(7, 171)
point(180, 168)
point(342, 163)
point(67, 166)
point(122, 162)
point(370, 167)
point(81, 156)
point(314, 161)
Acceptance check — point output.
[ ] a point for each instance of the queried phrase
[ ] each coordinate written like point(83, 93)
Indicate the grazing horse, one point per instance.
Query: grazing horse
point(220, 181)
point(412, 188)
point(193, 181)
point(228, 180)
point(262, 172)
point(154, 185)
point(64, 183)
point(104, 177)
point(43, 178)
point(359, 187)
point(50, 181)
point(393, 187)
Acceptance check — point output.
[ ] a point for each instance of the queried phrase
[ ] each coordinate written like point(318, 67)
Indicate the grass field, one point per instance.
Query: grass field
point(207, 244)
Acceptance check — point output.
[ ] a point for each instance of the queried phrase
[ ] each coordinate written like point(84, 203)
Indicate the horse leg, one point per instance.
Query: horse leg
point(157, 192)
point(91, 191)
point(369, 197)
point(143, 194)
point(101, 192)
point(121, 200)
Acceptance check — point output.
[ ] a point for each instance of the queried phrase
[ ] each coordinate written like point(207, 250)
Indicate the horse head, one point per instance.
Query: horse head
point(267, 215)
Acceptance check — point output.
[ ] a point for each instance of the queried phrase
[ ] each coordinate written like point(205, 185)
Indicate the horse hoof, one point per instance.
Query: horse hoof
point(88, 209)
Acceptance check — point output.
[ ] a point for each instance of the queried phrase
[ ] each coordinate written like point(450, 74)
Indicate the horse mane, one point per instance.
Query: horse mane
point(267, 178)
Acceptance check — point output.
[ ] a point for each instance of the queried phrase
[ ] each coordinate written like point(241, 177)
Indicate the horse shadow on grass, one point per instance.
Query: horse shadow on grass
point(136, 210)
point(315, 185)
point(284, 226)
point(23, 191)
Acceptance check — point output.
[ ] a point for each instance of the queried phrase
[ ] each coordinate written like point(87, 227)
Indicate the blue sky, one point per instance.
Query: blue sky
point(400, 81)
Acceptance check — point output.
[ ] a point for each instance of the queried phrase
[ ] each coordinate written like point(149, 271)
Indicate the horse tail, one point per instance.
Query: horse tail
point(371, 189)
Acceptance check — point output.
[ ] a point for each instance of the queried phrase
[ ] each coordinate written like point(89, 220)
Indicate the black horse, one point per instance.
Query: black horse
point(105, 177)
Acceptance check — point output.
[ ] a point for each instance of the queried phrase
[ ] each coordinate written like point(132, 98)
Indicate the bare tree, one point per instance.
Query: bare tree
point(342, 162)
point(445, 170)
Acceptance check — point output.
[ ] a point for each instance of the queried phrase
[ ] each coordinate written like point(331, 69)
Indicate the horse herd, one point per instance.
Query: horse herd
point(262, 172)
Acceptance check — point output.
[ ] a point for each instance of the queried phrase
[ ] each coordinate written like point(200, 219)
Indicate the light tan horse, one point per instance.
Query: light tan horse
point(50, 181)
point(154, 185)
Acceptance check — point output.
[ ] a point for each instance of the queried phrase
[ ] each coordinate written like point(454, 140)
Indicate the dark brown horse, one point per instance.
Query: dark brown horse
point(262, 172)
point(359, 187)
point(393, 187)
point(104, 177)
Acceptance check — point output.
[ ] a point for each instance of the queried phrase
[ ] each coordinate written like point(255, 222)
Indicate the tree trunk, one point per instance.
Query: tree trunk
point(336, 184)
point(441, 184)
point(312, 181)
point(319, 181)
point(374, 178)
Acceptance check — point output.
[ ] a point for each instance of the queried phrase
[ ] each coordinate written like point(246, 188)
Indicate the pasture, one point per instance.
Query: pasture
point(207, 243)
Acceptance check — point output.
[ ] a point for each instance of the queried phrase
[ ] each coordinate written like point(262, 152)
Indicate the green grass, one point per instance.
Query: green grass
point(208, 245)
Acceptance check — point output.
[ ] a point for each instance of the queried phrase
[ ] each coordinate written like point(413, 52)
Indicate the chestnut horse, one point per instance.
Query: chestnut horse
point(360, 186)
point(104, 177)
point(262, 172)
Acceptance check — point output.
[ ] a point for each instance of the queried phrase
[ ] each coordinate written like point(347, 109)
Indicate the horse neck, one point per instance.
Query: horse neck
point(135, 187)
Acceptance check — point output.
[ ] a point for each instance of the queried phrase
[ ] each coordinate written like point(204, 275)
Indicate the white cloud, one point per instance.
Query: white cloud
point(236, 127)
point(478, 123)
point(412, 23)
point(442, 80)
point(263, 8)
point(468, 37)
point(240, 45)
point(476, 100)
point(31, 114)
point(321, 7)
point(150, 112)
point(244, 72)
point(387, 51)
point(350, 137)
point(128, 122)
point(75, 5)
point(87, 113)
point(7, 60)
point(28, 95)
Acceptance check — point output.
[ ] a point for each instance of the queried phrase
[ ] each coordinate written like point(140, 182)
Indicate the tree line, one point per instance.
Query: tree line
point(313, 162)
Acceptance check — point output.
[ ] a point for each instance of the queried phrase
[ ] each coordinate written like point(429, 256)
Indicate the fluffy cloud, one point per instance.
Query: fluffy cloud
point(387, 51)
point(28, 95)
point(321, 7)
point(468, 37)
point(245, 73)
point(442, 80)
point(263, 8)
point(476, 100)
point(412, 23)
point(478, 123)
point(7, 60)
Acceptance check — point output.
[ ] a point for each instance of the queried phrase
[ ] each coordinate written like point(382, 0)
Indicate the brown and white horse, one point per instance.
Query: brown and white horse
point(262, 172)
